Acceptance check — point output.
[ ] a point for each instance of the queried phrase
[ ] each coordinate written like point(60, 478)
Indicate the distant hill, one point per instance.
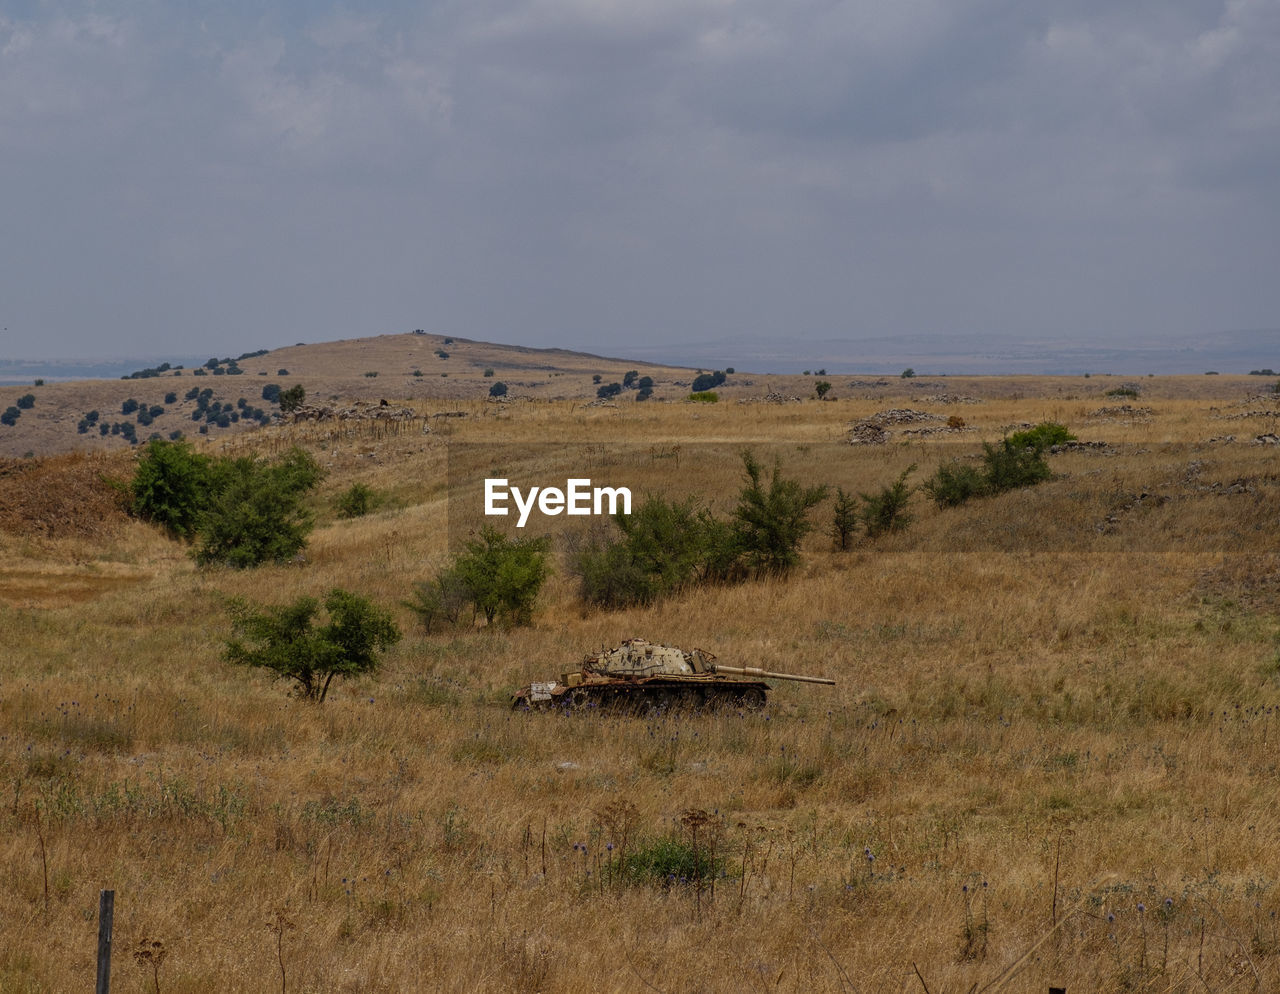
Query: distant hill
point(71, 412)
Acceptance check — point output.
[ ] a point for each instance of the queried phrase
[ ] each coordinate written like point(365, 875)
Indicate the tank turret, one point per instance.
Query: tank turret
point(644, 675)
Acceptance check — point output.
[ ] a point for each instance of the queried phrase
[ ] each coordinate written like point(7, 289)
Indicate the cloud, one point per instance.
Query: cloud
point(557, 167)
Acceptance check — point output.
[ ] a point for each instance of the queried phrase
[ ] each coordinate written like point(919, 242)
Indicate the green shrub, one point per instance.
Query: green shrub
point(886, 511)
point(629, 378)
point(821, 388)
point(706, 381)
point(129, 406)
point(704, 397)
point(503, 576)
point(770, 521)
point(1009, 467)
point(356, 501)
point(286, 640)
point(953, 483)
point(664, 546)
point(609, 390)
point(1042, 436)
point(844, 519)
point(498, 389)
point(669, 861)
point(908, 373)
point(10, 416)
point(255, 512)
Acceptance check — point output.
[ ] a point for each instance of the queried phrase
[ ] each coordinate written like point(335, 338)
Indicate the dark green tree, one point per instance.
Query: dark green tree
point(172, 486)
point(287, 640)
point(256, 513)
point(292, 399)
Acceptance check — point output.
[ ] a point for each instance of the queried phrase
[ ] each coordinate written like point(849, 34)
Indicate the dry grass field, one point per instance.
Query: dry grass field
point(1051, 757)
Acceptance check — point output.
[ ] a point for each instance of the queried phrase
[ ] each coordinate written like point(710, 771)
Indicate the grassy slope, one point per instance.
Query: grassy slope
point(1075, 675)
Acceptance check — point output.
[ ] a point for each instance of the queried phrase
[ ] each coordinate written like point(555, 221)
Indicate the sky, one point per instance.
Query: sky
point(193, 177)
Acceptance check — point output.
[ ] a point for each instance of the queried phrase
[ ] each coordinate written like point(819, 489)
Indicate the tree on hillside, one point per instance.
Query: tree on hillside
point(292, 399)
point(287, 641)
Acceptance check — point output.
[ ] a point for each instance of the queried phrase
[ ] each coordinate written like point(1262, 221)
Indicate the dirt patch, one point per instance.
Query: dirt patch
point(63, 496)
point(25, 588)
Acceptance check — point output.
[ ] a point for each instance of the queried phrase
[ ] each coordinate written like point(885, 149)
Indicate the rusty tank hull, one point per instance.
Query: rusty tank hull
point(644, 676)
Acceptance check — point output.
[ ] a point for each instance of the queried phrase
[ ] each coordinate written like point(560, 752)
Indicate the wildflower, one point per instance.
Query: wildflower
point(1141, 908)
point(1111, 917)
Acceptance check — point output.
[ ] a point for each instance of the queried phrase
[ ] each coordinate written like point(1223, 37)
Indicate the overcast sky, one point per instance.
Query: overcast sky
point(200, 177)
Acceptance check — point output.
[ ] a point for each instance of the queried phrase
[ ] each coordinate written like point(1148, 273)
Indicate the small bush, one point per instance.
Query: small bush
point(503, 576)
point(129, 406)
point(886, 511)
point(629, 378)
point(357, 501)
point(669, 861)
point(1009, 467)
point(27, 401)
point(10, 416)
point(488, 371)
point(821, 388)
point(1041, 437)
point(908, 373)
point(844, 521)
point(439, 601)
point(704, 397)
point(953, 483)
point(1130, 390)
point(498, 389)
point(609, 390)
point(171, 397)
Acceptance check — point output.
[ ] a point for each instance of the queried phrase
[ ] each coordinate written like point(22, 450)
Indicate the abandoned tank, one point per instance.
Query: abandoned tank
point(643, 675)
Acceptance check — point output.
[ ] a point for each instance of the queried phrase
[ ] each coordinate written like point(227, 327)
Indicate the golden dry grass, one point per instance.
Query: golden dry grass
point(1072, 688)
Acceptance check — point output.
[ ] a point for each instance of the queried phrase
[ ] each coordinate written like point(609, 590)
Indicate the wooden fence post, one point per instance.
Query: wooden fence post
point(106, 911)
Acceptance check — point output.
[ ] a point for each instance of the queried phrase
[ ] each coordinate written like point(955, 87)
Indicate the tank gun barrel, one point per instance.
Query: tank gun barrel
point(770, 675)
